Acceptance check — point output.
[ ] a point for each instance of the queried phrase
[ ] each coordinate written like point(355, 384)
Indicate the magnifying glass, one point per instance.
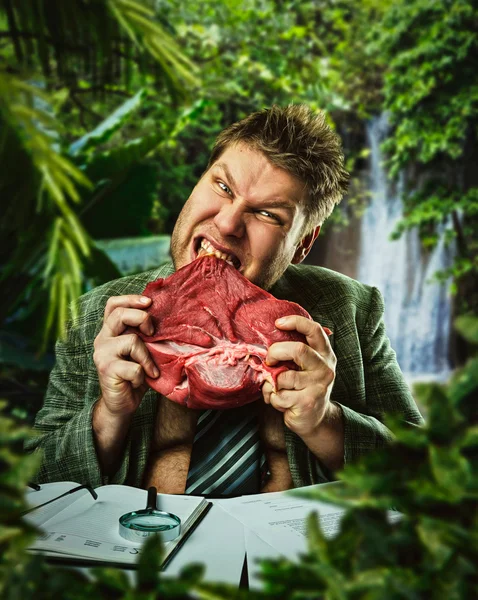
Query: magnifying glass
point(139, 524)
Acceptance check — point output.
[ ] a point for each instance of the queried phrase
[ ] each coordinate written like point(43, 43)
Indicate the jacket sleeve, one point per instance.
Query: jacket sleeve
point(386, 390)
point(63, 427)
point(372, 385)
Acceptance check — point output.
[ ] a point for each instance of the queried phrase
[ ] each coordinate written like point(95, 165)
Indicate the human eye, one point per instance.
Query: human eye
point(224, 187)
point(270, 216)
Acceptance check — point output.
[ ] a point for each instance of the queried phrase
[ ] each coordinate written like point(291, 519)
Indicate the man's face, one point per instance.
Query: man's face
point(247, 208)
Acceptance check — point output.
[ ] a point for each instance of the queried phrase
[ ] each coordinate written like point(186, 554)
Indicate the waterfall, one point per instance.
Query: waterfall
point(417, 310)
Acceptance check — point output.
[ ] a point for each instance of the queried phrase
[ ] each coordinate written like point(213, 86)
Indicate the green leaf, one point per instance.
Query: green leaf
point(192, 573)
point(467, 326)
point(413, 436)
point(111, 580)
point(450, 470)
point(107, 128)
point(470, 439)
point(315, 536)
point(433, 534)
point(440, 409)
point(149, 564)
point(8, 533)
point(463, 388)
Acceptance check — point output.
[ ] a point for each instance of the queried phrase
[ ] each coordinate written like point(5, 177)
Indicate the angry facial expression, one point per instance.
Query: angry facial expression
point(246, 211)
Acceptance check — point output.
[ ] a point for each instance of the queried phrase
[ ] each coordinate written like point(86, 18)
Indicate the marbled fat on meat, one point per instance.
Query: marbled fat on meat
point(212, 329)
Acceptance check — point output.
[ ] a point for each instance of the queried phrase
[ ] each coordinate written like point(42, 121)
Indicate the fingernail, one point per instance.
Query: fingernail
point(144, 300)
point(155, 372)
point(281, 321)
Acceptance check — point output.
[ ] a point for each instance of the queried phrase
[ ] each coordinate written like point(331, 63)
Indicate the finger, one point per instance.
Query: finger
point(303, 355)
point(293, 380)
point(122, 317)
point(128, 371)
point(127, 301)
point(138, 352)
point(133, 347)
point(267, 389)
point(315, 334)
point(282, 401)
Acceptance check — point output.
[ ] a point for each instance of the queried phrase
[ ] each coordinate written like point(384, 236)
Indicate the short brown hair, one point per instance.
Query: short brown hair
point(301, 142)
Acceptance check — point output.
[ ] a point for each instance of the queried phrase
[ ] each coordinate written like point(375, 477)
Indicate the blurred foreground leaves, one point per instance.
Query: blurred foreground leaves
point(429, 474)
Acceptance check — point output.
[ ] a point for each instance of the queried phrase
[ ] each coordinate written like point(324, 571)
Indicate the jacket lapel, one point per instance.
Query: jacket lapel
point(307, 296)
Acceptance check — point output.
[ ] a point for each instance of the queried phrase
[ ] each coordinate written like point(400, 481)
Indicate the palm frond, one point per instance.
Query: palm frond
point(104, 42)
point(108, 127)
point(48, 183)
point(62, 276)
point(98, 40)
point(23, 120)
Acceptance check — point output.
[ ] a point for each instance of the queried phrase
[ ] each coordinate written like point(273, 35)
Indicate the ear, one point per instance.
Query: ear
point(305, 245)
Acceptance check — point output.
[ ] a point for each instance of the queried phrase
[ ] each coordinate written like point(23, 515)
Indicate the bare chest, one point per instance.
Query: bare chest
point(170, 454)
point(171, 448)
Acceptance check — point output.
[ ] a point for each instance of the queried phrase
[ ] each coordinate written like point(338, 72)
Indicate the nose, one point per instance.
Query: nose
point(230, 220)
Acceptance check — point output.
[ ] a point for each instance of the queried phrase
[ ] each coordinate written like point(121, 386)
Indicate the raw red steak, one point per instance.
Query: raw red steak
point(212, 331)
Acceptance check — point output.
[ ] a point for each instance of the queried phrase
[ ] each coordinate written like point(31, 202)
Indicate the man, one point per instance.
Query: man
point(272, 180)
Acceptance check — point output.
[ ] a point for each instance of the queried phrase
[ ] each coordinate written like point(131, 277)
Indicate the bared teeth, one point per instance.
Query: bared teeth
point(207, 248)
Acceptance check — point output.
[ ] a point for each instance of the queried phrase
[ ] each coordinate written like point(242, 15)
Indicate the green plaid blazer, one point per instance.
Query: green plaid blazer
point(368, 381)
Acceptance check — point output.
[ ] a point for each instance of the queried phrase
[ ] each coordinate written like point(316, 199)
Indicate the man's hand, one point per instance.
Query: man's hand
point(121, 360)
point(304, 396)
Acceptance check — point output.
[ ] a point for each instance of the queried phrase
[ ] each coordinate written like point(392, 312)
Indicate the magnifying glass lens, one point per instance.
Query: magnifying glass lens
point(152, 523)
point(137, 525)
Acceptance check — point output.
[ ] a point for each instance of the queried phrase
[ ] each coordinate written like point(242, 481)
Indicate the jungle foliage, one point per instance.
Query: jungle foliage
point(60, 181)
point(414, 59)
point(106, 100)
point(430, 87)
point(52, 50)
point(428, 473)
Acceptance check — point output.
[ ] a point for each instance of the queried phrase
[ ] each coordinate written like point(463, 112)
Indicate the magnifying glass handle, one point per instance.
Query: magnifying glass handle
point(152, 498)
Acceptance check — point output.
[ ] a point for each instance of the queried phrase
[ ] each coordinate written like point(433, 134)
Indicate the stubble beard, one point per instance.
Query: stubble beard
point(270, 272)
point(175, 247)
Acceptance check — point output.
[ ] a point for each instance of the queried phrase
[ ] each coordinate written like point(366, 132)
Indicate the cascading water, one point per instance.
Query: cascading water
point(417, 310)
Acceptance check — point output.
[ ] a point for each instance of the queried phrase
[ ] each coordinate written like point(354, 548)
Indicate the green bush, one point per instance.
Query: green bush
point(429, 474)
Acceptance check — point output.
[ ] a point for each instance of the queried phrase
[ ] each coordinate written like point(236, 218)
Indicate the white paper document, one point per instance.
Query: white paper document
point(280, 519)
point(83, 527)
point(257, 549)
point(276, 525)
point(218, 544)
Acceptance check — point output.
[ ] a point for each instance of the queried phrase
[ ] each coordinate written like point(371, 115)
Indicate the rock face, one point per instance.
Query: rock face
point(212, 329)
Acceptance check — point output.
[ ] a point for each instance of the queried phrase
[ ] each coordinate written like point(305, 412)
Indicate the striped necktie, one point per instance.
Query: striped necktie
point(227, 457)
